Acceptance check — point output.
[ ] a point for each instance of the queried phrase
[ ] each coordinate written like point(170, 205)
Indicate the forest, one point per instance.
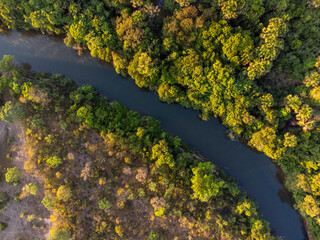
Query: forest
point(254, 64)
point(109, 173)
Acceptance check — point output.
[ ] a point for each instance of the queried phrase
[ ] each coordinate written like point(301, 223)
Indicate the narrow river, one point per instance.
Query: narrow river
point(255, 173)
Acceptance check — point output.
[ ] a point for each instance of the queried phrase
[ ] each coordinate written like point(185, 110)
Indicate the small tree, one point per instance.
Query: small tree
point(13, 176)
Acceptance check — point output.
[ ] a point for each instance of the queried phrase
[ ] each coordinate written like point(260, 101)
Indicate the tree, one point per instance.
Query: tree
point(6, 64)
point(153, 235)
point(104, 204)
point(160, 153)
point(271, 44)
point(11, 111)
point(13, 176)
point(64, 193)
point(247, 208)
point(28, 189)
point(204, 185)
point(143, 70)
point(31, 188)
point(304, 117)
point(131, 28)
point(238, 48)
point(252, 9)
point(260, 230)
point(54, 161)
point(310, 206)
point(266, 141)
point(47, 201)
point(169, 93)
point(315, 3)
point(315, 94)
point(312, 79)
point(61, 234)
point(290, 140)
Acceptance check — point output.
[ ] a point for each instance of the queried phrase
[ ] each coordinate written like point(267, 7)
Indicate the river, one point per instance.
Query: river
point(254, 172)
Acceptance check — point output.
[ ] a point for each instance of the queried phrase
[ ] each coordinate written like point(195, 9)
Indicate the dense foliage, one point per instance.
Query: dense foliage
point(253, 63)
point(110, 173)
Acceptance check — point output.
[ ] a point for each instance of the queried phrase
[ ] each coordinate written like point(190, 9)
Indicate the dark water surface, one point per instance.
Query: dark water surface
point(255, 173)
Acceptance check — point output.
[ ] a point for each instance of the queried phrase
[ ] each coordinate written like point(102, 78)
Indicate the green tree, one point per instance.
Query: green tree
point(310, 206)
point(54, 161)
point(160, 153)
point(48, 202)
point(64, 193)
point(104, 204)
point(204, 184)
point(11, 111)
point(143, 70)
point(31, 188)
point(61, 234)
point(13, 175)
point(6, 64)
point(266, 141)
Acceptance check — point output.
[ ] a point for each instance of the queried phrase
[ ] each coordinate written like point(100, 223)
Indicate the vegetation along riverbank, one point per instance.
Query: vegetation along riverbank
point(104, 171)
point(253, 63)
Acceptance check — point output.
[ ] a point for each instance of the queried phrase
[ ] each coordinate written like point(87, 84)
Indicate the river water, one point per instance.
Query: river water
point(254, 172)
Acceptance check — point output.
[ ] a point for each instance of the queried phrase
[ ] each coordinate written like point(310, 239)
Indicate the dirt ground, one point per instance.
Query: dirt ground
point(28, 219)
